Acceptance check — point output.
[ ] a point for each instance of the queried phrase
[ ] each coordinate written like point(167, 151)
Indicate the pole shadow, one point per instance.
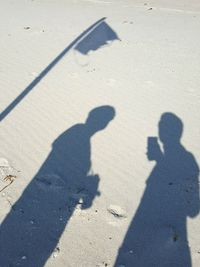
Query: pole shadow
point(93, 38)
point(31, 231)
point(157, 235)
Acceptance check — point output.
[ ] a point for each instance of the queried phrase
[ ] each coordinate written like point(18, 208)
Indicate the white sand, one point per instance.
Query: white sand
point(153, 69)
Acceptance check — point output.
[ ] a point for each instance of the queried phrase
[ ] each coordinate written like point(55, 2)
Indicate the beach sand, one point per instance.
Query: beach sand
point(82, 191)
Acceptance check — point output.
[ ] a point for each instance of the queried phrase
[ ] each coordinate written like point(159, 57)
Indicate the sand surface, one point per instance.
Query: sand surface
point(84, 193)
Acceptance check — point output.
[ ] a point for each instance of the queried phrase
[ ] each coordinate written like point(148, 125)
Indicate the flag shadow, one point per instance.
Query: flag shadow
point(91, 39)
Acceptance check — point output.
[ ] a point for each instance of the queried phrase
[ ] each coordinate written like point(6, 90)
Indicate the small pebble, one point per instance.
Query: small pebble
point(56, 252)
point(22, 211)
point(80, 201)
point(175, 237)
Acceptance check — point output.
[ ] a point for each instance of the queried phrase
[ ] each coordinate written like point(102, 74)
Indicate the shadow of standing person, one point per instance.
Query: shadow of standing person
point(157, 235)
point(31, 231)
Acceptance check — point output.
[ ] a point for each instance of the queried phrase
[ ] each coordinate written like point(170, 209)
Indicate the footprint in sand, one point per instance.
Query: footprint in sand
point(50, 182)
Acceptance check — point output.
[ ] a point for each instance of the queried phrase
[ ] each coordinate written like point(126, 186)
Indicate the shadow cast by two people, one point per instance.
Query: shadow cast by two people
point(31, 231)
point(157, 235)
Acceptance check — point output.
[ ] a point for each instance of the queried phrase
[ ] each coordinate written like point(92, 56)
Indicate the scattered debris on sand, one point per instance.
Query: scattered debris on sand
point(117, 211)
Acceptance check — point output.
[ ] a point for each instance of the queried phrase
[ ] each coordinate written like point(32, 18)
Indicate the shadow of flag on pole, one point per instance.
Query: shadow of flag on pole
point(94, 37)
point(99, 36)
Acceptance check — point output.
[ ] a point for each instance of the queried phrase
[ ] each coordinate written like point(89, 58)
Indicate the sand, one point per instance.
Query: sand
point(84, 192)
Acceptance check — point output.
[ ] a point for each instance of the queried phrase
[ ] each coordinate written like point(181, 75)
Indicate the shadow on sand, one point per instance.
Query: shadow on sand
point(93, 38)
point(31, 231)
point(157, 235)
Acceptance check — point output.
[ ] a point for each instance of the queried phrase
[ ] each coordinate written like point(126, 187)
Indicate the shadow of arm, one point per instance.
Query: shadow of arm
point(194, 200)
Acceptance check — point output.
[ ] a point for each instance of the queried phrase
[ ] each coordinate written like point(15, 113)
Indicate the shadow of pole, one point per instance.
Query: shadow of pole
point(27, 90)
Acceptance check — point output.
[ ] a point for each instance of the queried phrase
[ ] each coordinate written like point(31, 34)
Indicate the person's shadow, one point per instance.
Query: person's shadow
point(31, 231)
point(157, 235)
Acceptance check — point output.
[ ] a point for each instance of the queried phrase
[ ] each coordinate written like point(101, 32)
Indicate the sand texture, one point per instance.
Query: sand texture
point(99, 133)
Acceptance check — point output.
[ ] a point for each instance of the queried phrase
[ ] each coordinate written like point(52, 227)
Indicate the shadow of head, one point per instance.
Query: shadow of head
point(170, 129)
point(99, 118)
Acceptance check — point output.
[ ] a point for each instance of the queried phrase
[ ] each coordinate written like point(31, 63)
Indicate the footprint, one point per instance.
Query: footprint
point(50, 182)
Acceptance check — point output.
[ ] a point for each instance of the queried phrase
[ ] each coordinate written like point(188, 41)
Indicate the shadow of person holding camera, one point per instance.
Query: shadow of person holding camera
point(31, 231)
point(157, 235)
